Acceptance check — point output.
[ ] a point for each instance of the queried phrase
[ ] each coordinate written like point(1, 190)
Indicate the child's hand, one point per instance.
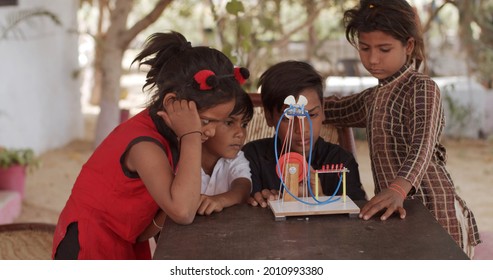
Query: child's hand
point(386, 199)
point(260, 198)
point(181, 116)
point(209, 205)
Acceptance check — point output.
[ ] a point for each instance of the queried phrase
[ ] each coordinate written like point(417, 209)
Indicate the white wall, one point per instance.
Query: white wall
point(465, 106)
point(469, 115)
point(39, 96)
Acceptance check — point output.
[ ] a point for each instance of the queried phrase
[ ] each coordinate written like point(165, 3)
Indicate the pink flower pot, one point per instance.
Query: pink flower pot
point(13, 178)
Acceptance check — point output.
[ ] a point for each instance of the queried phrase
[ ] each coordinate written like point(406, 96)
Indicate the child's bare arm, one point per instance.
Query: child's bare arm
point(240, 189)
point(176, 194)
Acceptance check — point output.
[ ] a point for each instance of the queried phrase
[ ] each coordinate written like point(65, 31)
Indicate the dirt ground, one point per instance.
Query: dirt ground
point(470, 163)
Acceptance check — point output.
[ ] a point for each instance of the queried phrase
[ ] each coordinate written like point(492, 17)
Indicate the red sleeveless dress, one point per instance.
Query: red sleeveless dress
point(111, 206)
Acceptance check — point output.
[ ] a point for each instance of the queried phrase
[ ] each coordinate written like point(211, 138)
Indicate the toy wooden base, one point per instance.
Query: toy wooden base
point(282, 209)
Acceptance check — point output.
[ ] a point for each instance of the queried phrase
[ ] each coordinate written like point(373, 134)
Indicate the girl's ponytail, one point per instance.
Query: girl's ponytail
point(159, 49)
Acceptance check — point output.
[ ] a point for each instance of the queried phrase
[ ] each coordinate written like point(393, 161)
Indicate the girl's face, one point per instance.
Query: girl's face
point(300, 134)
point(213, 117)
point(381, 54)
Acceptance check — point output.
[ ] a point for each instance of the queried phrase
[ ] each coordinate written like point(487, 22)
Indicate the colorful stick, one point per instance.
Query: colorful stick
point(316, 184)
point(344, 186)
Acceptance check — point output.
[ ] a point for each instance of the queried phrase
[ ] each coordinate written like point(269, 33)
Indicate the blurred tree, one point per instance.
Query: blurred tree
point(112, 37)
point(484, 39)
point(257, 34)
point(254, 34)
point(475, 31)
point(251, 36)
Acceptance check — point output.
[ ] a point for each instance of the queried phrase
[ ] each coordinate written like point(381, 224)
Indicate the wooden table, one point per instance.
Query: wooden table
point(246, 232)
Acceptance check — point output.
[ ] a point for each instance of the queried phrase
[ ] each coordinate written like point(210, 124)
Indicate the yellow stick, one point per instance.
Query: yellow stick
point(316, 184)
point(344, 186)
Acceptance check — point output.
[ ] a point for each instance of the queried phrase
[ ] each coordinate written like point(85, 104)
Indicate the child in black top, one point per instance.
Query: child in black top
point(278, 82)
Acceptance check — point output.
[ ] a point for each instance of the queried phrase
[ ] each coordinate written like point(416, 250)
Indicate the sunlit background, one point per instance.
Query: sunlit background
point(67, 79)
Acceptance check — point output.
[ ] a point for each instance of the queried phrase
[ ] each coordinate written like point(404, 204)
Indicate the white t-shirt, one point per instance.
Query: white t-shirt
point(224, 173)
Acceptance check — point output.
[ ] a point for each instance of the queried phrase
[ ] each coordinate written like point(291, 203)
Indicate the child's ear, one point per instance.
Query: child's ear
point(410, 46)
point(168, 97)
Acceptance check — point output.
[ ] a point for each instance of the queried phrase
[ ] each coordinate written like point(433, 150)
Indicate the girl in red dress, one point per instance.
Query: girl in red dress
point(149, 166)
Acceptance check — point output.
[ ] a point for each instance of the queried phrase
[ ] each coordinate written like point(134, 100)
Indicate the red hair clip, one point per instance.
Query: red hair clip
point(241, 74)
point(206, 79)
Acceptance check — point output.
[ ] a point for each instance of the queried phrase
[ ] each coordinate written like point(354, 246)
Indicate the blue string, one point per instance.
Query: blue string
point(297, 112)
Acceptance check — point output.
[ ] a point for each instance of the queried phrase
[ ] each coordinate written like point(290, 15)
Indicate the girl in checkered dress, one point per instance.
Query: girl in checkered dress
point(403, 117)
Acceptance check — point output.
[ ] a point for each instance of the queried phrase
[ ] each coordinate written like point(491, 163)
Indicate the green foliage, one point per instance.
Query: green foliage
point(234, 7)
point(485, 64)
point(11, 157)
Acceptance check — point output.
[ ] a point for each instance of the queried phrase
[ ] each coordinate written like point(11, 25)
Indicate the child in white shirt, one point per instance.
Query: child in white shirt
point(225, 170)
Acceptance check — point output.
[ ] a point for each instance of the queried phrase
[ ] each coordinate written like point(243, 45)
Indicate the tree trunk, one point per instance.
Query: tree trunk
point(109, 115)
point(111, 60)
point(112, 48)
point(311, 42)
point(98, 71)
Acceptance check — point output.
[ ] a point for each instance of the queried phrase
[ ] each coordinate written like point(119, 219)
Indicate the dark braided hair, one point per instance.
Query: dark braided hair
point(173, 63)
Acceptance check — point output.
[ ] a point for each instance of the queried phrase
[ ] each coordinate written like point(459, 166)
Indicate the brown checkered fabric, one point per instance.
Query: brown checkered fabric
point(404, 119)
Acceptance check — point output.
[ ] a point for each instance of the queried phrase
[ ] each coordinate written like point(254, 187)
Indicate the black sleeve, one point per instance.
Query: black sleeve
point(354, 187)
point(328, 153)
point(252, 155)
